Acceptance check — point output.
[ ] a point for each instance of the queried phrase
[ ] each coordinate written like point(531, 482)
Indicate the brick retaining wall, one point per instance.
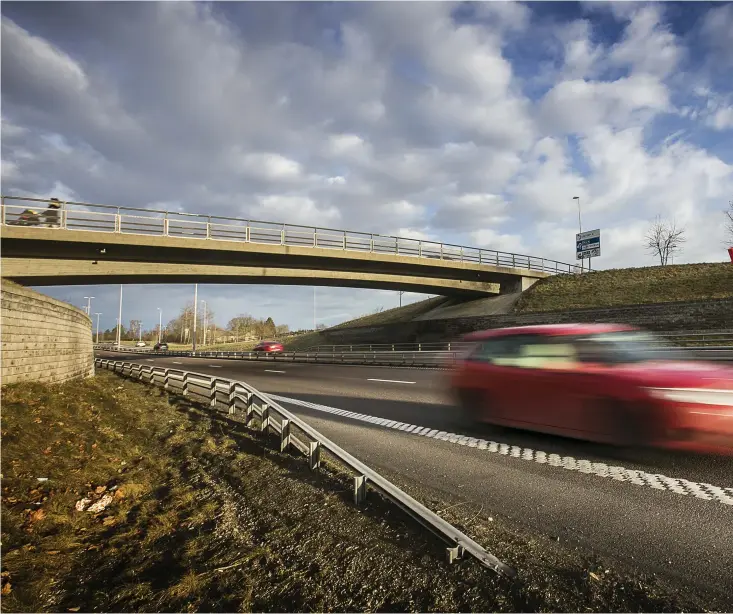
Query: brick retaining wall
point(697, 315)
point(43, 339)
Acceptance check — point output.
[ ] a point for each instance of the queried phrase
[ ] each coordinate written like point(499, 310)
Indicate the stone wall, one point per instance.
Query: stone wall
point(43, 339)
point(699, 315)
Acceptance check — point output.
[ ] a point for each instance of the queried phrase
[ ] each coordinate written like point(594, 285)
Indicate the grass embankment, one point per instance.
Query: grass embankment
point(203, 517)
point(641, 286)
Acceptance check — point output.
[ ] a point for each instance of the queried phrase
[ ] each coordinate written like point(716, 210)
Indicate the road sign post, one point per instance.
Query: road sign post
point(588, 245)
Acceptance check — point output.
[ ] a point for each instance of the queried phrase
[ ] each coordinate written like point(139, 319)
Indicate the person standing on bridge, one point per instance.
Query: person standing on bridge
point(52, 213)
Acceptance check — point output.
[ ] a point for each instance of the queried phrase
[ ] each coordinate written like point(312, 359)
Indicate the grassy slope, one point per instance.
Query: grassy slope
point(209, 519)
point(685, 282)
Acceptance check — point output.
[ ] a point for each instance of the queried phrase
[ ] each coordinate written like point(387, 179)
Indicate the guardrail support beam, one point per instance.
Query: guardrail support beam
point(314, 455)
point(454, 554)
point(284, 435)
point(359, 489)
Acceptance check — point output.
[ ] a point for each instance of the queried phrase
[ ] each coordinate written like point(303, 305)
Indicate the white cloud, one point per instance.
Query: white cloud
point(378, 117)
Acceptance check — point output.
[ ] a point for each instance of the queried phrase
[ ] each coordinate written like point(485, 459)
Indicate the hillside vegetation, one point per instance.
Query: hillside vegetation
point(645, 285)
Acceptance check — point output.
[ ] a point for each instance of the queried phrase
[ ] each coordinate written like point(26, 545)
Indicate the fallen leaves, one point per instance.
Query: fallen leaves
point(38, 515)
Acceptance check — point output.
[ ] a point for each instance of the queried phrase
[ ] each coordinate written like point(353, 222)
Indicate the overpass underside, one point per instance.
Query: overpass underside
point(44, 256)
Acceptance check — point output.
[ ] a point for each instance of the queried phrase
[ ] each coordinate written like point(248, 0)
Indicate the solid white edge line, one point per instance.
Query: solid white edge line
point(680, 486)
point(391, 381)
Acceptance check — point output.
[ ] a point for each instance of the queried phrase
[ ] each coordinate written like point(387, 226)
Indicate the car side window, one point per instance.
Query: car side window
point(501, 351)
point(548, 353)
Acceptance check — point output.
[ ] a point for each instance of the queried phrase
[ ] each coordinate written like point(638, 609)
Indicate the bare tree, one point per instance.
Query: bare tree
point(729, 223)
point(664, 238)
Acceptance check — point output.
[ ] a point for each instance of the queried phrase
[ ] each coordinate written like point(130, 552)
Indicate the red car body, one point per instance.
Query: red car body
point(597, 382)
point(269, 347)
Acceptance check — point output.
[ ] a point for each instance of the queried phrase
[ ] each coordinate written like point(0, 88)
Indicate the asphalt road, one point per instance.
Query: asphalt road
point(657, 522)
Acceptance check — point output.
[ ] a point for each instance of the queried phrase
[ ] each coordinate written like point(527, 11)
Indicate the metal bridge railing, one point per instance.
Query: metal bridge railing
point(130, 220)
point(240, 398)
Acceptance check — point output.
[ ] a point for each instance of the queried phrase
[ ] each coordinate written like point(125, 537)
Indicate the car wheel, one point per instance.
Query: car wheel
point(622, 426)
point(473, 407)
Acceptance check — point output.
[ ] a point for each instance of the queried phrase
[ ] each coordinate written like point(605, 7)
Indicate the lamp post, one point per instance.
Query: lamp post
point(195, 313)
point(580, 230)
point(204, 302)
point(119, 321)
point(89, 304)
point(401, 293)
point(140, 327)
point(160, 325)
point(97, 314)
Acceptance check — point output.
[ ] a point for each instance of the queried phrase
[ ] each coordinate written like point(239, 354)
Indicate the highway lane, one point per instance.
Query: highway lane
point(680, 537)
point(384, 392)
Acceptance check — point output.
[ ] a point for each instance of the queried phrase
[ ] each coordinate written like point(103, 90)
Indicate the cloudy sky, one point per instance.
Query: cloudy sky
point(468, 123)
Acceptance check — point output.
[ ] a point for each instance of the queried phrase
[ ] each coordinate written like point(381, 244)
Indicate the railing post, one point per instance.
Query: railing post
point(232, 402)
point(284, 435)
point(314, 455)
point(208, 228)
point(461, 253)
point(64, 217)
point(371, 243)
point(419, 248)
point(359, 489)
point(344, 239)
point(315, 237)
point(212, 391)
point(166, 379)
point(184, 385)
point(166, 225)
point(480, 255)
point(441, 251)
point(265, 418)
point(247, 236)
point(514, 262)
point(2, 210)
point(397, 246)
point(282, 235)
point(118, 222)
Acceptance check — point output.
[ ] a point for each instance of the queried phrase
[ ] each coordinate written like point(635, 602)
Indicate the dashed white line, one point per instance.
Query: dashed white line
point(680, 486)
point(274, 371)
point(215, 366)
point(391, 381)
point(175, 362)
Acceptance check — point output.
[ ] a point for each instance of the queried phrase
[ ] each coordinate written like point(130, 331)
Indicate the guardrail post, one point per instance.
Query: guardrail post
point(247, 235)
point(184, 385)
point(166, 379)
point(514, 262)
point(461, 253)
point(2, 210)
point(359, 489)
point(265, 424)
point(284, 435)
point(248, 409)
point(232, 401)
point(314, 455)
point(151, 378)
point(213, 386)
point(455, 553)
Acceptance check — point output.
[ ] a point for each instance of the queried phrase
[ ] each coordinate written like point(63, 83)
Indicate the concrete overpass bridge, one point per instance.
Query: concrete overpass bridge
point(102, 244)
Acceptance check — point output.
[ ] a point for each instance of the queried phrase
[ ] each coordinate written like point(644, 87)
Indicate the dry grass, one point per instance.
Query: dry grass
point(210, 518)
point(684, 282)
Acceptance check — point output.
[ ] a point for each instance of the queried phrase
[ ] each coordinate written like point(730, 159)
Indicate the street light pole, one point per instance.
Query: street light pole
point(401, 293)
point(140, 328)
point(89, 305)
point(195, 313)
point(119, 321)
point(314, 308)
point(97, 314)
point(204, 343)
point(580, 230)
point(160, 325)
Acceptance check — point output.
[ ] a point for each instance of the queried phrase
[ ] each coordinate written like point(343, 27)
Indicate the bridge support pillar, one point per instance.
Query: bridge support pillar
point(516, 284)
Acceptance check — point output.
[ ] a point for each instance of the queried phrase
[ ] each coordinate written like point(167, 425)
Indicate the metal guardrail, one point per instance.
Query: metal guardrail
point(130, 220)
point(239, 397)
point(683, 338)
point(388, 359)
point(423, 359)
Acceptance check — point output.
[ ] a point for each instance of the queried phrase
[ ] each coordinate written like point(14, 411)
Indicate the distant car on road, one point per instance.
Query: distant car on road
point(599, 382)
point(140, 344)
point(269, 347)
point(161, 347)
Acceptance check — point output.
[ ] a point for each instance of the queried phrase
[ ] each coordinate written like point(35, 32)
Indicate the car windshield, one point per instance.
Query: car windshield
point(632, 346)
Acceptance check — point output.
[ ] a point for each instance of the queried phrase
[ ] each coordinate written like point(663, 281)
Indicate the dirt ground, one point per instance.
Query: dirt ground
point(196, 513)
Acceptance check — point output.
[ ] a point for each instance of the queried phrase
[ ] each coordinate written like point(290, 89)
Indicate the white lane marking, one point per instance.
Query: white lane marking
point(391, 381)
point(215, 366)
point(274, 371)
point(175, 362)
point(680, 486)
point(150, 360)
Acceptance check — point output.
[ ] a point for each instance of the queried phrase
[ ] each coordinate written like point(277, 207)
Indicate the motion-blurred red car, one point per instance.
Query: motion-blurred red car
point(599, 382)
point(269, 347)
